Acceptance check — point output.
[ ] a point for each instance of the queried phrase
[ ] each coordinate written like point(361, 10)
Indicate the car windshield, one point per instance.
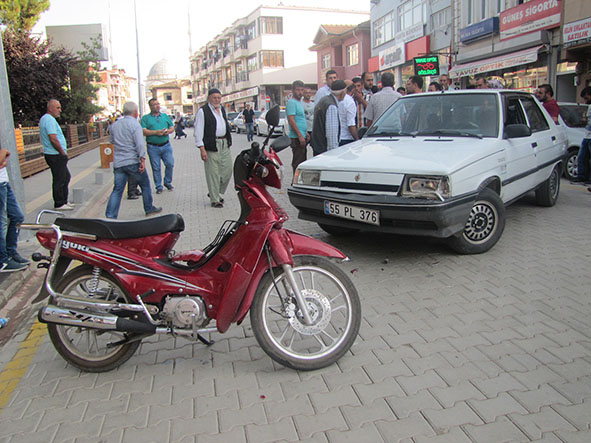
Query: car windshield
point(448, 114)
point(573, 115)
point(232, 115)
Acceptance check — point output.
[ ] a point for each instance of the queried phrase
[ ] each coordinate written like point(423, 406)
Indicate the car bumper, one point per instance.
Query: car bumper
point(398, 215)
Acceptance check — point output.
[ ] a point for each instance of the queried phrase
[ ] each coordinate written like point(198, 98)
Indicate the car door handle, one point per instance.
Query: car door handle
point(534, 145)
point(553, 138)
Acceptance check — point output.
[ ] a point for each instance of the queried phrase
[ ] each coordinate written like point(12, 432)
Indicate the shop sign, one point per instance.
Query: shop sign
point(506, 61)
point(576, 31)
point(478, 30)
point(242, 94)
point(393, 56)
point(528, 17)
point(409, 34)
point(426, 65)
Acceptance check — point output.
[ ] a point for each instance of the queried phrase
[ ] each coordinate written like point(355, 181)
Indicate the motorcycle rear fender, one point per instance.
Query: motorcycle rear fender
point(287, 244)
point(60, 269)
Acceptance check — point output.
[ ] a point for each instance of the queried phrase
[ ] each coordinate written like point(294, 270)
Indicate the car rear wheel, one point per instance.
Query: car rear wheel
point(570, 170)
point(547, 194)
point(484, 226)
point(337, 231)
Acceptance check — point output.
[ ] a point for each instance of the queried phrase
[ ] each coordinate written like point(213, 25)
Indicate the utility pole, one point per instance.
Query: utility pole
point(7, 138)
point(139, 76)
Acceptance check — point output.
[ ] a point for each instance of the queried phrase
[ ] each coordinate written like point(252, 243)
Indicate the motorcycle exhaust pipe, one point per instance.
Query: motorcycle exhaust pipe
point(82, 319)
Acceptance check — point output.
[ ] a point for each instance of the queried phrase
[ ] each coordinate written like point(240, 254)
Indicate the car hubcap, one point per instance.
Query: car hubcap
point(571, 165)
point(482, 222)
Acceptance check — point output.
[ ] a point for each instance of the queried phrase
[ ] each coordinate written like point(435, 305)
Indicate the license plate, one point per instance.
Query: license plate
point(354, 213)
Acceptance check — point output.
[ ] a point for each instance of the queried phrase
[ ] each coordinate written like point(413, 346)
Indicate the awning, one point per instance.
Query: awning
point(524, 57)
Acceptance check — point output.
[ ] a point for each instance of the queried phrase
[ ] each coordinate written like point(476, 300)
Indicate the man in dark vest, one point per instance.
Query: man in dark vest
point(326, 127)
point(213, 138)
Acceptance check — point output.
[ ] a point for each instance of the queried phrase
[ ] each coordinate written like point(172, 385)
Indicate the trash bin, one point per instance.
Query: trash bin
point(106, 155)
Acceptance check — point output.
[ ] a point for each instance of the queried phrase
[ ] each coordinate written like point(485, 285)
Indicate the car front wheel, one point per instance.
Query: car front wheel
point(484, 226)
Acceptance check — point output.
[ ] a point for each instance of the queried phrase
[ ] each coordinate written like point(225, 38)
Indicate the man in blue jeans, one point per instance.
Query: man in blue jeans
point(584, 156)
point(10, 217)
point(248, 118)
point(129, 161)
point(157, 126)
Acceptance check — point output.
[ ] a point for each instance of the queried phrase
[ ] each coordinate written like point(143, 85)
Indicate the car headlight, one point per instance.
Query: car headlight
point(304, 177)
point(426, 187)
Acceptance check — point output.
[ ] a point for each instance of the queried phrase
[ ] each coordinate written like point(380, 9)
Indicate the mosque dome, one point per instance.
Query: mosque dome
point(161, 72)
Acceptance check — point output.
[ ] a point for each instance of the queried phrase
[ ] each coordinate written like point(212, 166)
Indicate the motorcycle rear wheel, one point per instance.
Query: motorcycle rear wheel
point(334, 306)
point(86, 348)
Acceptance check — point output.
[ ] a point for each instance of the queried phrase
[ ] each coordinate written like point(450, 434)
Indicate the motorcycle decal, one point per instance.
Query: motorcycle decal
point(71, 245)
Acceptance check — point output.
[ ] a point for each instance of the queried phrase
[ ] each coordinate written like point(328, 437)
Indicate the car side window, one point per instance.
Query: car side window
point(537, 121)
point(513, 112)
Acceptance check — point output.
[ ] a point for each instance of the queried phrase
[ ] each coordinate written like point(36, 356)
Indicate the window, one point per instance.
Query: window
point(537, 122)
point(189, 95)
point(326, 61)
point(441, 19)
point(412, 12)
point(251, 63)
point(251, 31)
point(168, 96)
point(271, 25)
point(514, 112)
point(271, 59)
point(353, 54)
point(383, 29)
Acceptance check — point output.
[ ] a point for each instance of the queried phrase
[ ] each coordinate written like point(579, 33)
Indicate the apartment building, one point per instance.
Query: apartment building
point(115, 88)
point(257, 58)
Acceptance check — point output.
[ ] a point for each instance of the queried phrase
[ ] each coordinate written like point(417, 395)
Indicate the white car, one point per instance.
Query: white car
point(262, 128)
point(572, 119)
point(437, 164)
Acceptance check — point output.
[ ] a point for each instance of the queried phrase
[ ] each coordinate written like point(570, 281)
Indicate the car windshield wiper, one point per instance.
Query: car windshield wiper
point(450, 132)
point(389, 134)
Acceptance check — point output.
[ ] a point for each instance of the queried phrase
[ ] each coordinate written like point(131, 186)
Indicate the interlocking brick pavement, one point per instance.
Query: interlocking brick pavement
point(486, 348)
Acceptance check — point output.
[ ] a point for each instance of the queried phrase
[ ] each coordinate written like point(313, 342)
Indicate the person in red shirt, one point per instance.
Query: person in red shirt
point(545, 94)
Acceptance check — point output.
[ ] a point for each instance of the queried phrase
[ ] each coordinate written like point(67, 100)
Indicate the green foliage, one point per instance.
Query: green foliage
point(21, 14)
point(36, 73)
point(83, 74)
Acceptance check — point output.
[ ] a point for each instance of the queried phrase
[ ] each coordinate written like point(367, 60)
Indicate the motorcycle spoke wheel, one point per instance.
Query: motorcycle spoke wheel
point(333, 305)
point(87, 348)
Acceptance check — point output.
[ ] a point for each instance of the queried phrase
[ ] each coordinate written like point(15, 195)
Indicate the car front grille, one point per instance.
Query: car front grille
point(360, 186)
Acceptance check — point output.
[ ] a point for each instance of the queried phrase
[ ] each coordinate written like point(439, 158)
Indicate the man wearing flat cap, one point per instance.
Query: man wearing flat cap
point(326, 128)
point(213, 138)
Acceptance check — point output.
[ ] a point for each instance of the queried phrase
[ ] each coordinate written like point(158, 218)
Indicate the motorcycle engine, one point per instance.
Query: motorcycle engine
point(180, 310)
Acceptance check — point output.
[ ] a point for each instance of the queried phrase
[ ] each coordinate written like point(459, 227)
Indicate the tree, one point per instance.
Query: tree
point(83, 75)
point(36, 73)
point(21, 14)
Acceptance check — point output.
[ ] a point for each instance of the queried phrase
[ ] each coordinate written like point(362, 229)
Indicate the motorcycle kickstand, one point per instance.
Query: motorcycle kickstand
point(205, 341)
point(198, 336)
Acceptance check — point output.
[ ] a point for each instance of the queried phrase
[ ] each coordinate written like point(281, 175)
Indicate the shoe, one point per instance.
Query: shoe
point(12, 266)
point(169, 187)
point(133, 197)
point(159, 191)
point(20, 259)
point(221, 199)
point(154, 210)
point(65, 207)
point(217, 205)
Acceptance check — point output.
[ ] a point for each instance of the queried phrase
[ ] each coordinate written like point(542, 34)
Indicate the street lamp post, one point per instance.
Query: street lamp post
point(139, 77)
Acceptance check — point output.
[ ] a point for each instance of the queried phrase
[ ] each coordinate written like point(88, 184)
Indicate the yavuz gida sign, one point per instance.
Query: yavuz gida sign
point(528, 17)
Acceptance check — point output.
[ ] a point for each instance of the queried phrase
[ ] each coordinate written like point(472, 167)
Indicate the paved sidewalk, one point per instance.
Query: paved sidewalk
point(487, 348)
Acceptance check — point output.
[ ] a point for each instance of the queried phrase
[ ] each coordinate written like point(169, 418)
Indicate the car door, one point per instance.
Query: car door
point(521, 166)
point(546, 144)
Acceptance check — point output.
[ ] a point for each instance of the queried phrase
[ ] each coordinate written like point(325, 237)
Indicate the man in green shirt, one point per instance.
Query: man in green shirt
point(156, 127)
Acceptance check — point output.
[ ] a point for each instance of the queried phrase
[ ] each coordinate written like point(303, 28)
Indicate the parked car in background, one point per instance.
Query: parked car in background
point(189, 120)
point(241, 127)
point(439, 165)
point(230, 116)
point(263, 128)
point(572, 117)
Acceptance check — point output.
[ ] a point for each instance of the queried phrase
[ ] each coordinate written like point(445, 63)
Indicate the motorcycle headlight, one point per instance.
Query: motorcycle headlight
point(308, 178)
point(426, 187)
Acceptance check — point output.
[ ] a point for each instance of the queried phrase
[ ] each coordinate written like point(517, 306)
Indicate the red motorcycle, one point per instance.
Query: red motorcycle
point(304, 310)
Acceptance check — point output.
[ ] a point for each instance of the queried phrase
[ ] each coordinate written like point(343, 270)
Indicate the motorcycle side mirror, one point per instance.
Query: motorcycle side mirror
point(280, 143)
point(272, 116)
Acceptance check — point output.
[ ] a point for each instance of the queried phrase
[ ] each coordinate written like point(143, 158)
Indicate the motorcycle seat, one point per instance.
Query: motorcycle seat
point(115, 229)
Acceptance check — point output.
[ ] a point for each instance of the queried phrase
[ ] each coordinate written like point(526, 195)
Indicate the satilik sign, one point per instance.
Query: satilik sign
point(426, 65)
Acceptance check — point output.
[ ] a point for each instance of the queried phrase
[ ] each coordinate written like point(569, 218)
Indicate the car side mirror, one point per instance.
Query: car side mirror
point(272, 116)
point(516, 131)
point(362, 131)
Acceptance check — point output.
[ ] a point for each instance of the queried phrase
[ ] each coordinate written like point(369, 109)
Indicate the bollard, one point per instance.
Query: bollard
point(98, 178)
point(77, 196)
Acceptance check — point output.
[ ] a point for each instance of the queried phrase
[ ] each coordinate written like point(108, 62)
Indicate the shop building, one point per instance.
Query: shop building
point(174, 96)
point(403, 30)
point(343, 48)
point(576, 49)
point(257, 58)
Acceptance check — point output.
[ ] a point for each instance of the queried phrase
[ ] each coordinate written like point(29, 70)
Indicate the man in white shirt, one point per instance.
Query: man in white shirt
point(347, 113)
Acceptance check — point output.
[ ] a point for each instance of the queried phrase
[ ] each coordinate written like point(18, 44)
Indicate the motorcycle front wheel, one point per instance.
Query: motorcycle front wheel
point(87, 348)
point(331, 300)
